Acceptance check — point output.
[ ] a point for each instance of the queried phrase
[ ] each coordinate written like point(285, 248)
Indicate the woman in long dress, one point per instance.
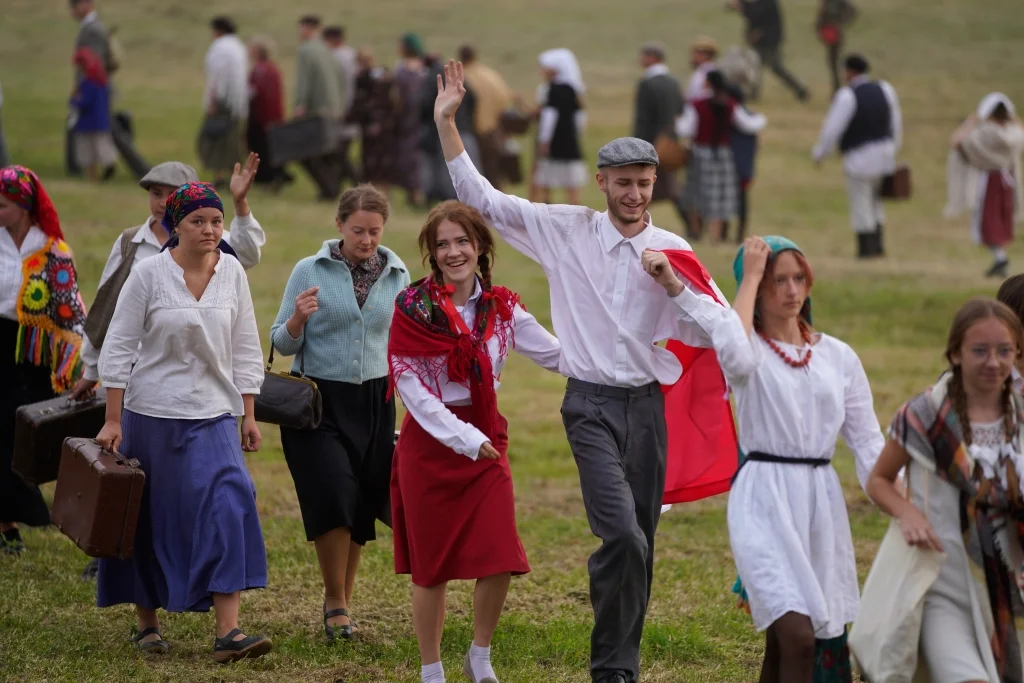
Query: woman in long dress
point(960, 441)
point(990, 143)
point(797, 391)
point(42, 320)
point(182, 357)
point(451, 487)
point(409, 76)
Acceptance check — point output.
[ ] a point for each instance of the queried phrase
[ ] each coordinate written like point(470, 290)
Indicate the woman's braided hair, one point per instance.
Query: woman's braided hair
point(974, 311)
point(474, 225)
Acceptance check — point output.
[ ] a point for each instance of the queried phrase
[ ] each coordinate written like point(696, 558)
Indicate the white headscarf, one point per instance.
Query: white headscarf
point(991, 101)
point(567, 70)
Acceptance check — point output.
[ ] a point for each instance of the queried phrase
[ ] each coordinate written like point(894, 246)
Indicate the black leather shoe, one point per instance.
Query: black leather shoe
point(334, 632)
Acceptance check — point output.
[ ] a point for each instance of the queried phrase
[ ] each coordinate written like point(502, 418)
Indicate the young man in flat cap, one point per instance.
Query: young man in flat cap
point(613, 296)
point(866, 124)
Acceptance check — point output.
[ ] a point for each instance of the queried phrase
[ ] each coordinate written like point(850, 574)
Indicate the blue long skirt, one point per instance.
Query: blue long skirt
point(198, 530)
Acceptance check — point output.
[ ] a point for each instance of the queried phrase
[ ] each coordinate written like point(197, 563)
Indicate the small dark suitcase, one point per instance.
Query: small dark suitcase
point(97, 499)
point(40, 430)
point(897, 185)
point(301, 139)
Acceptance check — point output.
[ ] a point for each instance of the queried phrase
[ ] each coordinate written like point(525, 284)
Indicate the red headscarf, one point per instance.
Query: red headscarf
point(23, 187)
point(91, 65)
point(428, 337)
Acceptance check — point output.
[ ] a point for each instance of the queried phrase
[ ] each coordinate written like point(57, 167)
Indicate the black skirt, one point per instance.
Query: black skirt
point(20, 384)
point(342, 469)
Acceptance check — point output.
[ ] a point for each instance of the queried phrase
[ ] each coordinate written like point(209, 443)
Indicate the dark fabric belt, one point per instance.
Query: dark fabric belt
point(594, 389)
point(756, 456)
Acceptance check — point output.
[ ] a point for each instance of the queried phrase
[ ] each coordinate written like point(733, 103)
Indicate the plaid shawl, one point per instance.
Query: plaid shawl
point(928, 428)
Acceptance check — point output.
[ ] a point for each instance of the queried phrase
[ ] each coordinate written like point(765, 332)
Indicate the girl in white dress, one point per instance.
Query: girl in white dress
point(961, 442)
point(796, 392)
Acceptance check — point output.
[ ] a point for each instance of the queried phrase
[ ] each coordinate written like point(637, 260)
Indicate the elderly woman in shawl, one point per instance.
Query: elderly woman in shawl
point(42, 319)
point(984, 175)
point(562, 119)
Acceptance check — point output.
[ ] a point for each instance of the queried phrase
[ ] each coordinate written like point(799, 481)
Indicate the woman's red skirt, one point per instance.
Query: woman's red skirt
point(453, 518)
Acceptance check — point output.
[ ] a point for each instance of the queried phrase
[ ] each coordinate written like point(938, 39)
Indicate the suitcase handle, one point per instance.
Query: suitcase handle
point(120, 459)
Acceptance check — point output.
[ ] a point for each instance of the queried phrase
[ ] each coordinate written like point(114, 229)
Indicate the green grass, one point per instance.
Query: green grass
point(942, 55)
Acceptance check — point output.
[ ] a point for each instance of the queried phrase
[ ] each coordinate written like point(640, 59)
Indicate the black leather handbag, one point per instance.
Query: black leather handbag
point(288, 399)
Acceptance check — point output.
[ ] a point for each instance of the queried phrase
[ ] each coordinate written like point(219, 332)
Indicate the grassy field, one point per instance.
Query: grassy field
point(942, 55)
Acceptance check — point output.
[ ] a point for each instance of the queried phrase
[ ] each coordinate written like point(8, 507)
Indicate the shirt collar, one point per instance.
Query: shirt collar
point(863, 78)
point(610, 237)
point(658, 69)
point(146, 234)
point(89, 18)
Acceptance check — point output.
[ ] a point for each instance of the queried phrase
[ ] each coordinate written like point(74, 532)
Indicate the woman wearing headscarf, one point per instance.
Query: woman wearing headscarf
point(560, 129)
point(711, 181)
point(42, 319)
point(408, 84)
point(266, 104)
point(182, 357)
point(451, 486)
point(985, 174)
point(797, 390)
point(94, 144)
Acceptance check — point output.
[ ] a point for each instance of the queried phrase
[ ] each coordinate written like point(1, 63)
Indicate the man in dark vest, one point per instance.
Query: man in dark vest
point(866, 124)
point(764, 34)
point(659, 102)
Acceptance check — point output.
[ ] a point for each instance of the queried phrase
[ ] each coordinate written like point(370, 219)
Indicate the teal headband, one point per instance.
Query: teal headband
point(777, 244)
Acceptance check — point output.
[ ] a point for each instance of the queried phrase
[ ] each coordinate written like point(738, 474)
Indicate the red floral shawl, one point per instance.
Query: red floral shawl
point(429, 337)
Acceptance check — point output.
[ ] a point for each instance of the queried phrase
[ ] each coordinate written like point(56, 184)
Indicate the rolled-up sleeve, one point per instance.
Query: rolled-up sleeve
point(247, 238)
point(126, 328)
point(279, 335)
point(246, 354)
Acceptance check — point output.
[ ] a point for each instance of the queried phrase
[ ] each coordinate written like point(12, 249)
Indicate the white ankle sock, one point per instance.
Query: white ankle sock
point(998, 254)
point(432, 673)
point(480, 661)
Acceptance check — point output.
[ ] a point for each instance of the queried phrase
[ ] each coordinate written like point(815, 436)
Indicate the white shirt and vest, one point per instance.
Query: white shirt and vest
point(246, 237)
point(607, 312)
point(11, 258)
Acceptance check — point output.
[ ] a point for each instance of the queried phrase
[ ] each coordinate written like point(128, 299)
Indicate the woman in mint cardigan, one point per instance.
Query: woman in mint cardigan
point(336, 317)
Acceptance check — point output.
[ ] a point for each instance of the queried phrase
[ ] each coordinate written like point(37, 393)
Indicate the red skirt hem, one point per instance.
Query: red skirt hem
point(453, 518)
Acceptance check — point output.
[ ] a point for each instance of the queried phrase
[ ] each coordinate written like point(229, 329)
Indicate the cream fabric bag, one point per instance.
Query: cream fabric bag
point(885, 638)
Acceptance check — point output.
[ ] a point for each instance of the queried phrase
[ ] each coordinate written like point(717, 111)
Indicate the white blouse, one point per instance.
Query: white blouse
point(11, 258)
point(799, 413)
point(196, 358)
point(531, 340)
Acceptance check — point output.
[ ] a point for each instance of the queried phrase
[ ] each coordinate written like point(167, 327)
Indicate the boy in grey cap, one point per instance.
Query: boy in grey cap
point(613, 296)
point(246, 237)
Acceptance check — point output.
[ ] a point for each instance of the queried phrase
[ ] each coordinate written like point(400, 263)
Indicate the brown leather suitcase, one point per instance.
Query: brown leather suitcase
point(40, 430)
point(897, 185)
point(97, 499)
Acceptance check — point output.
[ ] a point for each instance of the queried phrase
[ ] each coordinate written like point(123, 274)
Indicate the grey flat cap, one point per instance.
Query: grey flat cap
point(627, 152)
point(173, 173)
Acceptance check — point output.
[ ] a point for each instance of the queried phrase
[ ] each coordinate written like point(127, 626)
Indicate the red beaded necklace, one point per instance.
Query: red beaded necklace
point(799, 362)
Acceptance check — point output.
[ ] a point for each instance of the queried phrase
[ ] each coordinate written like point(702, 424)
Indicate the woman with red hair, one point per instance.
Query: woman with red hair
point(797, 391)
point(42, 319)
point(453, 508)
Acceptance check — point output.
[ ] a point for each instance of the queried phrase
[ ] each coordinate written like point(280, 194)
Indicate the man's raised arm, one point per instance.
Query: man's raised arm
point(515, 219)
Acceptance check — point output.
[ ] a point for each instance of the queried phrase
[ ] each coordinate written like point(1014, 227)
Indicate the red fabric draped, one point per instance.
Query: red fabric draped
point(267, 106)
point(703, 451)
point(91, 65)
point(460, 353)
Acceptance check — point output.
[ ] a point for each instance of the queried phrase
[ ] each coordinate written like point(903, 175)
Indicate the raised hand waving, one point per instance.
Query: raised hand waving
point(451, 89)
